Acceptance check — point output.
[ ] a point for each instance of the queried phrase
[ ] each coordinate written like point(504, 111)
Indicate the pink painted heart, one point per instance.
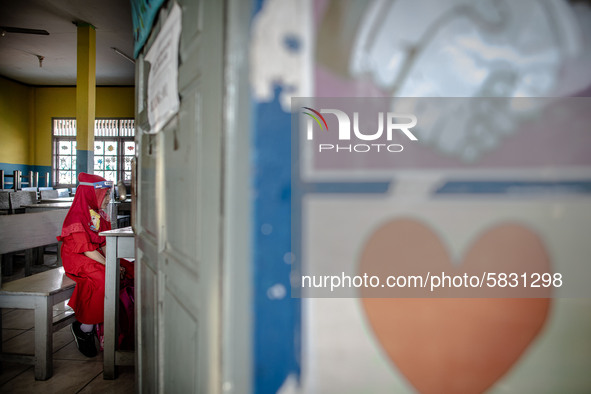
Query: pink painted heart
point(453, 345)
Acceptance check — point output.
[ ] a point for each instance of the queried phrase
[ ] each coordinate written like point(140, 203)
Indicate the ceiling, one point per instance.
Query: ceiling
point(19, 52)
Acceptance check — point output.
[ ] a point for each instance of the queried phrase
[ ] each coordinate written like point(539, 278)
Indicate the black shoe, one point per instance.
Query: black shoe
point(84, 340)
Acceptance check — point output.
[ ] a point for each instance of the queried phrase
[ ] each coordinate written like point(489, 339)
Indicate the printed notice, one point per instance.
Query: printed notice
point(163, 98)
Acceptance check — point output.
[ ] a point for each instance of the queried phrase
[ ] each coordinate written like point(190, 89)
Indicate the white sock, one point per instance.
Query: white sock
point(86, 327)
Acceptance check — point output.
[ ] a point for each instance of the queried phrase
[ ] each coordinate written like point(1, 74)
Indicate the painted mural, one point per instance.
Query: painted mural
point(505, 188)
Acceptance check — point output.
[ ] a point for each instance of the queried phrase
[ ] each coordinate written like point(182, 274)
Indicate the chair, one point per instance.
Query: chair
point(20, 198)
point(4, 203)
point(31, 189)
point(48, 194)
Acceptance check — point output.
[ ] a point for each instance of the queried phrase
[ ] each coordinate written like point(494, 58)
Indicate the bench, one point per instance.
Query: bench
point(39, 292)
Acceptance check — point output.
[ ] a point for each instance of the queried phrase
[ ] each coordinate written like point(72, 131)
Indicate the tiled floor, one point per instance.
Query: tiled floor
point(72, 371)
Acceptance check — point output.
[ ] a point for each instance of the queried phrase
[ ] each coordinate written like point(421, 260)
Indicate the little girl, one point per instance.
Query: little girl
point(83, 256)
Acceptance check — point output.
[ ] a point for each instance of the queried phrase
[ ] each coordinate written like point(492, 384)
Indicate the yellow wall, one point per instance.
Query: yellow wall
point(15, 123)
point(26, 116)
point(50, 102)
point(111, 102)
point(115, 102)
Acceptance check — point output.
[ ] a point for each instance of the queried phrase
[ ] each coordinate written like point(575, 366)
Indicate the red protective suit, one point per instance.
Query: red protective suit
point(79, 234)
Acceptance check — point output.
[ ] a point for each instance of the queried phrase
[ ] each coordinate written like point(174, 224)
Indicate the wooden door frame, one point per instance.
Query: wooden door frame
point(237, 300)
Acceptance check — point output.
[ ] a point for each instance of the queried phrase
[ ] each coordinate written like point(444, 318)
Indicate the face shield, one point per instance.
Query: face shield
point(110, 208)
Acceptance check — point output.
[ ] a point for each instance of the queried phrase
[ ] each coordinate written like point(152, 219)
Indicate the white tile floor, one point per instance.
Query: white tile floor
point(72, 371)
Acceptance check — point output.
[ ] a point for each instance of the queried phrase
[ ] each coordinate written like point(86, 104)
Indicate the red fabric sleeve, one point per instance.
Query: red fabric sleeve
point(80, 243)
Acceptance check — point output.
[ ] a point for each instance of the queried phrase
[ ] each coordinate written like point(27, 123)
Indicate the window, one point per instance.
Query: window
point(114, 148)
point(64, 152)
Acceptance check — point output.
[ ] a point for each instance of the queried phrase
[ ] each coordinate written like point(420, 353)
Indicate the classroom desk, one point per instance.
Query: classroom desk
point(120, 243)
point(57, 199)
point(46, 206)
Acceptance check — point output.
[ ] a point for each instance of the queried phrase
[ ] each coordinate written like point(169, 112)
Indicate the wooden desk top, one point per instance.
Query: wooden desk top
point(57, 199)
point(48, 205)
point(119, 232)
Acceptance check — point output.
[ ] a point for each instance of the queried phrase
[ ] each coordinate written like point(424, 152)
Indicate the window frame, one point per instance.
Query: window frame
point(120, 149)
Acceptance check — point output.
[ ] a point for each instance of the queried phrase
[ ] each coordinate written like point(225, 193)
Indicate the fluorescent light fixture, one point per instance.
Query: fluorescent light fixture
point(118, 52)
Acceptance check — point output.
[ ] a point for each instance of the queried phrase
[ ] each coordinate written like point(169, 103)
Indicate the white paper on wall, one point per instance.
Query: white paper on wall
point(163, 98)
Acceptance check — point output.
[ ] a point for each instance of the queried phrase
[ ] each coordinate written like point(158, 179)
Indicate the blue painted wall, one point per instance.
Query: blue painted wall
point(10, 168)
point(84, 161)
point(276, 315)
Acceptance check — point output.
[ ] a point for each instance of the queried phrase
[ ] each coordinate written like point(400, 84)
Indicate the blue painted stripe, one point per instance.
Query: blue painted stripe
point(42, 170)
point(84, 161)
point(346, 187)
point(24, 168)
point(257, 6)
point(277, 316)
point(515, 187)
